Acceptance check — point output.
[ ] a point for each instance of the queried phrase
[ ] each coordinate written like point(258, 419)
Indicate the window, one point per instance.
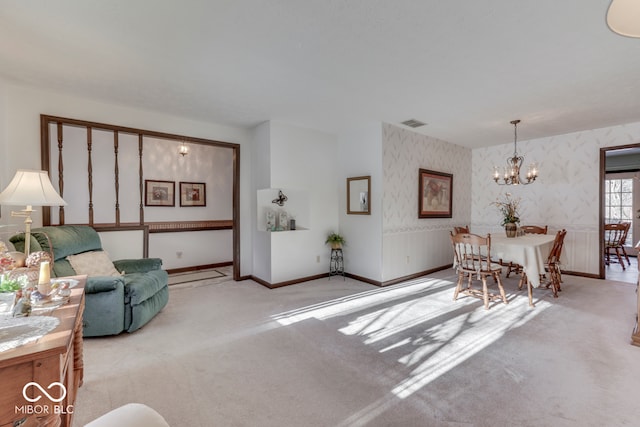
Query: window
point(618, 203)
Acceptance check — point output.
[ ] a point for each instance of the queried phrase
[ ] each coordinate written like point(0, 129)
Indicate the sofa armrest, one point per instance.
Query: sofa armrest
point(138, 265)
point(103, 284)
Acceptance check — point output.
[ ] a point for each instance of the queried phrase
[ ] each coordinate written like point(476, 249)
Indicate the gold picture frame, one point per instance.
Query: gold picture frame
point(435, 194)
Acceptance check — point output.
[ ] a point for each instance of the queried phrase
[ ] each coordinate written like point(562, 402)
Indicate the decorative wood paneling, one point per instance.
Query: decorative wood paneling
point(60, 171)
point(89, 173)
point(154, 227)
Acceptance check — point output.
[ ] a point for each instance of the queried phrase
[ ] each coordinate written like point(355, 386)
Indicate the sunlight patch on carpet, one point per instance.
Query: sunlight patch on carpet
point(360, 301)
point(419, 320)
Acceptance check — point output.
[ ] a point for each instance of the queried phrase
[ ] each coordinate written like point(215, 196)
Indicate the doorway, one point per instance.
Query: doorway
point(620, 202)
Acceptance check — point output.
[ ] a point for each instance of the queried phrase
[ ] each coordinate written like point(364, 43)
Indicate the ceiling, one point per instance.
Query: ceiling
point(467, 68)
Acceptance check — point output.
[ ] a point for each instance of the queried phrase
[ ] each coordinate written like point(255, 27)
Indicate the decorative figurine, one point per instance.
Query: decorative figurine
point(271, 221)
point(22, 308)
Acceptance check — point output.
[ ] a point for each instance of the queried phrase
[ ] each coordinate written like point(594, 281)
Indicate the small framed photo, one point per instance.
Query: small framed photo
point(159, 193)
point(435, 194)
point(193, 194)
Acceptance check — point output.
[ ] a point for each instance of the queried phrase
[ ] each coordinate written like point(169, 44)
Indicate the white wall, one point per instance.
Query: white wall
point(302, 160)
point(566, 194)
point(360, 154)
point(261, 167)
point(411, 244)
point(20, 109)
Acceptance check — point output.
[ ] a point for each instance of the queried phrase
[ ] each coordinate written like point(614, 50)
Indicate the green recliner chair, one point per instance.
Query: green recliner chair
point(113, 304)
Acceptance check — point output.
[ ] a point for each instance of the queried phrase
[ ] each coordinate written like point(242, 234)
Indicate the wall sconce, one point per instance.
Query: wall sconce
point(183, 150)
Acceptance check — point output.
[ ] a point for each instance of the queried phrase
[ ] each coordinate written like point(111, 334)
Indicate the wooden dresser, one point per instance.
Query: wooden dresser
point(56, 357)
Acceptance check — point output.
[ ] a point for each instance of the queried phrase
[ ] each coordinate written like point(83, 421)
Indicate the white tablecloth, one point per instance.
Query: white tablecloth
point(530, 251)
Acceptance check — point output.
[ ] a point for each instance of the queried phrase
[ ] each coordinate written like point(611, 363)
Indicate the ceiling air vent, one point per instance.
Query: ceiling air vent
point(413, 123)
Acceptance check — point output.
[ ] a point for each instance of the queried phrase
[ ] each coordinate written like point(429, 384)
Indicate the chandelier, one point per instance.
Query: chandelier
point(511, 173)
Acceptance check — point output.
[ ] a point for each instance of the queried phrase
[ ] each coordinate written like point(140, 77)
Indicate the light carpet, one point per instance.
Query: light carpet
point(345, 353)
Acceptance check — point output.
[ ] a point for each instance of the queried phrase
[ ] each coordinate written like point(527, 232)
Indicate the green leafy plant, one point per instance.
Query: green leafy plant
point(10, 285)
point(509, 209)
point(335, 239)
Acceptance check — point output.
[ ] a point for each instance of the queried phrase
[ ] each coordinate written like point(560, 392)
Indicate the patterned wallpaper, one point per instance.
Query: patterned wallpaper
point(411, 244)
point(404, 153)
point(566, 195)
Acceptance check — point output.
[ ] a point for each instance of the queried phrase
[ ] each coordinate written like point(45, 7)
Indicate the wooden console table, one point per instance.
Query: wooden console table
point(56, 357)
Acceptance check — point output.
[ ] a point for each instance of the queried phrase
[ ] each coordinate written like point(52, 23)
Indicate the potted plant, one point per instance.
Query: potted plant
point(335, 240)
point(510, 216)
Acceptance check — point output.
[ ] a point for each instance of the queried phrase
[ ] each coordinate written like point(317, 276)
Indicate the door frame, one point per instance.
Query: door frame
point(603, 159)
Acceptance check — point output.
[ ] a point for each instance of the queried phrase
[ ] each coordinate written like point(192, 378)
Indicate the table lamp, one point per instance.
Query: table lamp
point(30, 188)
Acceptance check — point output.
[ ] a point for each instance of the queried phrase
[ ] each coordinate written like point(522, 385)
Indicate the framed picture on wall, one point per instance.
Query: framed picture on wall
point(435, 194)
point(193, 194)
point(159, 193)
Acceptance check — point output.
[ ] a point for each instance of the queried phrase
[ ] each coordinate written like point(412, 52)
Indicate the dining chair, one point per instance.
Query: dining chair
point(552, 265)
point(473, 261)
point(615, 235)
point(534, 229)
point(623, 241)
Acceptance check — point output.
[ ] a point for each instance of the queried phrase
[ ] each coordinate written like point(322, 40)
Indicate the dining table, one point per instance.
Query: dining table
point(529, 250)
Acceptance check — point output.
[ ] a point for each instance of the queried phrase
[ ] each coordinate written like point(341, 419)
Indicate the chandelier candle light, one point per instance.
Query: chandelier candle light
point(511, 175)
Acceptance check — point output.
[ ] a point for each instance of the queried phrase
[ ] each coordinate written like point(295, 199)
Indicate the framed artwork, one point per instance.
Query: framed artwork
point(358, 190)
point(435, 194)
point(193, 194)
point(159, 193)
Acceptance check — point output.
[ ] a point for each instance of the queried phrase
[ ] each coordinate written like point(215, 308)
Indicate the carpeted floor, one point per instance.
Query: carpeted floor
point(194, 276)
point(344, 353)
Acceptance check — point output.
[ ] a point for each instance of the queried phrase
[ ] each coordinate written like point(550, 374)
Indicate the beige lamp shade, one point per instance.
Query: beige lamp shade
point(31, 188)
point(623, 17)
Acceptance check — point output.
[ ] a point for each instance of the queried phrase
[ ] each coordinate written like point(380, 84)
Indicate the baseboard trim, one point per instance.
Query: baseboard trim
point(378, 283)
point(349, 275)
point(415, 275)
point(198, 267)
point(580, 274)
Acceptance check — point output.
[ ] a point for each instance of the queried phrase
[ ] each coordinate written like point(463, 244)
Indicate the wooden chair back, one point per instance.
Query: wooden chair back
point(623, 239)
point(615, 234)
point(534, 229)
point(556, 250)
point(472, 252)
point(459, 230)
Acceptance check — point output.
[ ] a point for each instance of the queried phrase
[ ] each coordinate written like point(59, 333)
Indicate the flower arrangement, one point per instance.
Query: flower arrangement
point(509, 209)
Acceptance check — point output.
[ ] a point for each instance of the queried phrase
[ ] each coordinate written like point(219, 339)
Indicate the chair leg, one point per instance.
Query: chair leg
point(458, 286)
point(620, 258)
point(555, 281)
point(624, 251)
point(523, 279)
point(501, 288)
point(485, 292)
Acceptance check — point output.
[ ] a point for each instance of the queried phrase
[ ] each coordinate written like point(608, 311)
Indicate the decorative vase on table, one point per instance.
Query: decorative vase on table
point(511, 229)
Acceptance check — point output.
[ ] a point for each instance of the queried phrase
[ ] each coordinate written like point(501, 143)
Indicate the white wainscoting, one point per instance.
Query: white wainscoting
point(410, 252)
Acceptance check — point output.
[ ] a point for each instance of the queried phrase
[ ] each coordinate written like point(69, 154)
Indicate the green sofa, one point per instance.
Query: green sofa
point(113, 304)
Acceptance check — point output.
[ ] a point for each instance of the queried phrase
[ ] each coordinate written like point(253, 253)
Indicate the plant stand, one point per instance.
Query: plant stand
point(336, 264)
